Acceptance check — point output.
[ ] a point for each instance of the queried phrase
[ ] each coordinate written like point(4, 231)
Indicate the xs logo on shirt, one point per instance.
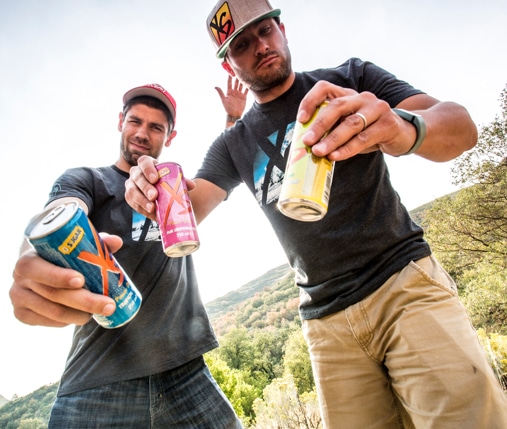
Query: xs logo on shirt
point(269, 165)
point(144, 229)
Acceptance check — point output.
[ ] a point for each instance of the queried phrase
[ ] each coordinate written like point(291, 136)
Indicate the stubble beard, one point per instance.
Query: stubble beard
point(132, 157)
point(277, 76)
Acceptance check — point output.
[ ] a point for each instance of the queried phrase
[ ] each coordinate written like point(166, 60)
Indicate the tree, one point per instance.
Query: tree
point(297, 362)
point(235, 385)
point(283, 407)
point(496, 351)
point(468, 232)
point(479, 164)
point(470, 227)
point(485, 296)
point(237, 349)
point(32, 424)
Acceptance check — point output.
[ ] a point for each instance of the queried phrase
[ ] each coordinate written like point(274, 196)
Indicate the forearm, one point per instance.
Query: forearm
point(450, 130)
point(205, 198)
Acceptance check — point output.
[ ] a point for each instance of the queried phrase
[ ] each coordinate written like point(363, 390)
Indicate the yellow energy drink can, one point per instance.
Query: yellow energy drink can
point(304, 194)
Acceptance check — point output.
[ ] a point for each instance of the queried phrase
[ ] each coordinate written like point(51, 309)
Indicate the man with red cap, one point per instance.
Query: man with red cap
point(149, 373)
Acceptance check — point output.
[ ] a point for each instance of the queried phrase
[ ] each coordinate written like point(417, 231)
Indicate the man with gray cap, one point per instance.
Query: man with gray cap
point(390, 343)
point(149, 373)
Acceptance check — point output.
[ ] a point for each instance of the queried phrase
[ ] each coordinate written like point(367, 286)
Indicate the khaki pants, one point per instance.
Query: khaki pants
point(405, 357)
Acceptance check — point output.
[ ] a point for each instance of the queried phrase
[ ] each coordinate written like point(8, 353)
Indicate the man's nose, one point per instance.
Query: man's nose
point(261, 46)
point(142, 132)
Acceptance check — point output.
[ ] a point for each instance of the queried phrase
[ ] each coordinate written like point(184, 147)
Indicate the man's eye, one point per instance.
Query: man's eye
point(240, 46)
point(265, 30)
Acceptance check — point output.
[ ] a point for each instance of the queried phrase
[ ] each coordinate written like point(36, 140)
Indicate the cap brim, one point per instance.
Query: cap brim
point(150, 92)
point(223, 49)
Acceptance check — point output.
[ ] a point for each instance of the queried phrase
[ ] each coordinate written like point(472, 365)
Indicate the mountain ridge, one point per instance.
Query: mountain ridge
point(226, 303)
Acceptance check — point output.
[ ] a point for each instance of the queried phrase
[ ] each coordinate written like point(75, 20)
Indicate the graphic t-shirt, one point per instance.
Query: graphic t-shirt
point(172, 326)
point(367, 234)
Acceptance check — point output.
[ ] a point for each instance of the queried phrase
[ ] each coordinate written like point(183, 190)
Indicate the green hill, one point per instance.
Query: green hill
point(231, 300)
point(30, 411)
point(418, 213)
point(269, 301)
point(3, 401)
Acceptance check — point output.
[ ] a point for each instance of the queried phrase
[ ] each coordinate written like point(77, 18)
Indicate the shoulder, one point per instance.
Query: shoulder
point(347, 74)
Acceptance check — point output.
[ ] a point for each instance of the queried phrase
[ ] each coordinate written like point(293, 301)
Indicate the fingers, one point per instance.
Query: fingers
point(220, 93)
point(24, 313)
point(351, 123)
point(47, 295)
point(238, 87)
point(322, 91)
point(147, 166)
point(113, 242)
point(33, 267)
point(140, 193)
point(351, 136)
point(190, 184)
point(45, 306)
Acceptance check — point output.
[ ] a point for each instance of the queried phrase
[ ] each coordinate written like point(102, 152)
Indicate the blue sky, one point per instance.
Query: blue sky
point(65, 66)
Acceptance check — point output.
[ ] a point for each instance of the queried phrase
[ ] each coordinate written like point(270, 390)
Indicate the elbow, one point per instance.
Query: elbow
point(467, 140)
point(473, 138)
point(466, 136)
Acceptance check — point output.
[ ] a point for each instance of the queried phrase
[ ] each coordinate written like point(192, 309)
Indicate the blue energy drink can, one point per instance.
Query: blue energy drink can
point(65, 237)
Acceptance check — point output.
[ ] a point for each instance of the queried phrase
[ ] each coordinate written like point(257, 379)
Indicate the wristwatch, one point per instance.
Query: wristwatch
point(420, 127)
point(232, 119)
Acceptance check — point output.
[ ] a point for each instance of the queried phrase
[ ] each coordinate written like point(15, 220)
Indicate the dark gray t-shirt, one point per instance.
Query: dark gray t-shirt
point(367, 234)
point(172, 326)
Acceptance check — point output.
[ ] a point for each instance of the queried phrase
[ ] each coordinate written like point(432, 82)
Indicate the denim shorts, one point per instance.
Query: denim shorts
point(186, 397)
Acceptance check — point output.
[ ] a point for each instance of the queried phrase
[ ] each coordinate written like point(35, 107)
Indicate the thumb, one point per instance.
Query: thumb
point(220, 92)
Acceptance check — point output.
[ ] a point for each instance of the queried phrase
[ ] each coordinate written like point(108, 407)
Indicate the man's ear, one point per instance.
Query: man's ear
point(226, 66)
point(170, 138)
point(120, 121)
point(282, 29)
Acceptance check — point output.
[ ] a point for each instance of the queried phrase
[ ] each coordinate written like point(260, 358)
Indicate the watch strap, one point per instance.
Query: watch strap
point(420, 127)
point(232, 119)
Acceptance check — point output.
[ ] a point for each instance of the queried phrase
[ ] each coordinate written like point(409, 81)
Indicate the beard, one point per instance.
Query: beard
point(275, 77)
point(132, 156)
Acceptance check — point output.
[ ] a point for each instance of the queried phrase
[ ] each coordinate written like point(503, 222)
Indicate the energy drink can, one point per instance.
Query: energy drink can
point(175, 216)
point(306, 186)
point(65, 236)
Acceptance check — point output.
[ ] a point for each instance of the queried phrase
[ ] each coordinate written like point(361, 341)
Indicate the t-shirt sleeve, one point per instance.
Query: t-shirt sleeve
point(385, 85)
point(218, 167)
point(75, 182)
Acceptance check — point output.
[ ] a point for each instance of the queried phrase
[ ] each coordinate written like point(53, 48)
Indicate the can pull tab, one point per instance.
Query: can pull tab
point(57, 211)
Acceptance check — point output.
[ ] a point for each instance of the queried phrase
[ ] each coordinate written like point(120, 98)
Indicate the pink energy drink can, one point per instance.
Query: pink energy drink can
point(174, 212)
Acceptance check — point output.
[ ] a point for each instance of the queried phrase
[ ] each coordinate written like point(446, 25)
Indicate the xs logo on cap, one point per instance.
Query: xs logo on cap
point(222, 25)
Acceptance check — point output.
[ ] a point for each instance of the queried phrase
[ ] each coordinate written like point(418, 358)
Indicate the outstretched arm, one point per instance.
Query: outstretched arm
point(365, 123)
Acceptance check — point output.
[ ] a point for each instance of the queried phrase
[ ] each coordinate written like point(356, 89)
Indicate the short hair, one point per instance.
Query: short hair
point(153, 103)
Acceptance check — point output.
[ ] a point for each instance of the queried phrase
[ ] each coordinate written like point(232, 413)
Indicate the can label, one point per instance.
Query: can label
point(306, 186)
point(175, 216)
point(65, 237)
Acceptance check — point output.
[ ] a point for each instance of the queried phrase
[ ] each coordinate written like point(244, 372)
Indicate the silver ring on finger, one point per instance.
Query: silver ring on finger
point(365, 122)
